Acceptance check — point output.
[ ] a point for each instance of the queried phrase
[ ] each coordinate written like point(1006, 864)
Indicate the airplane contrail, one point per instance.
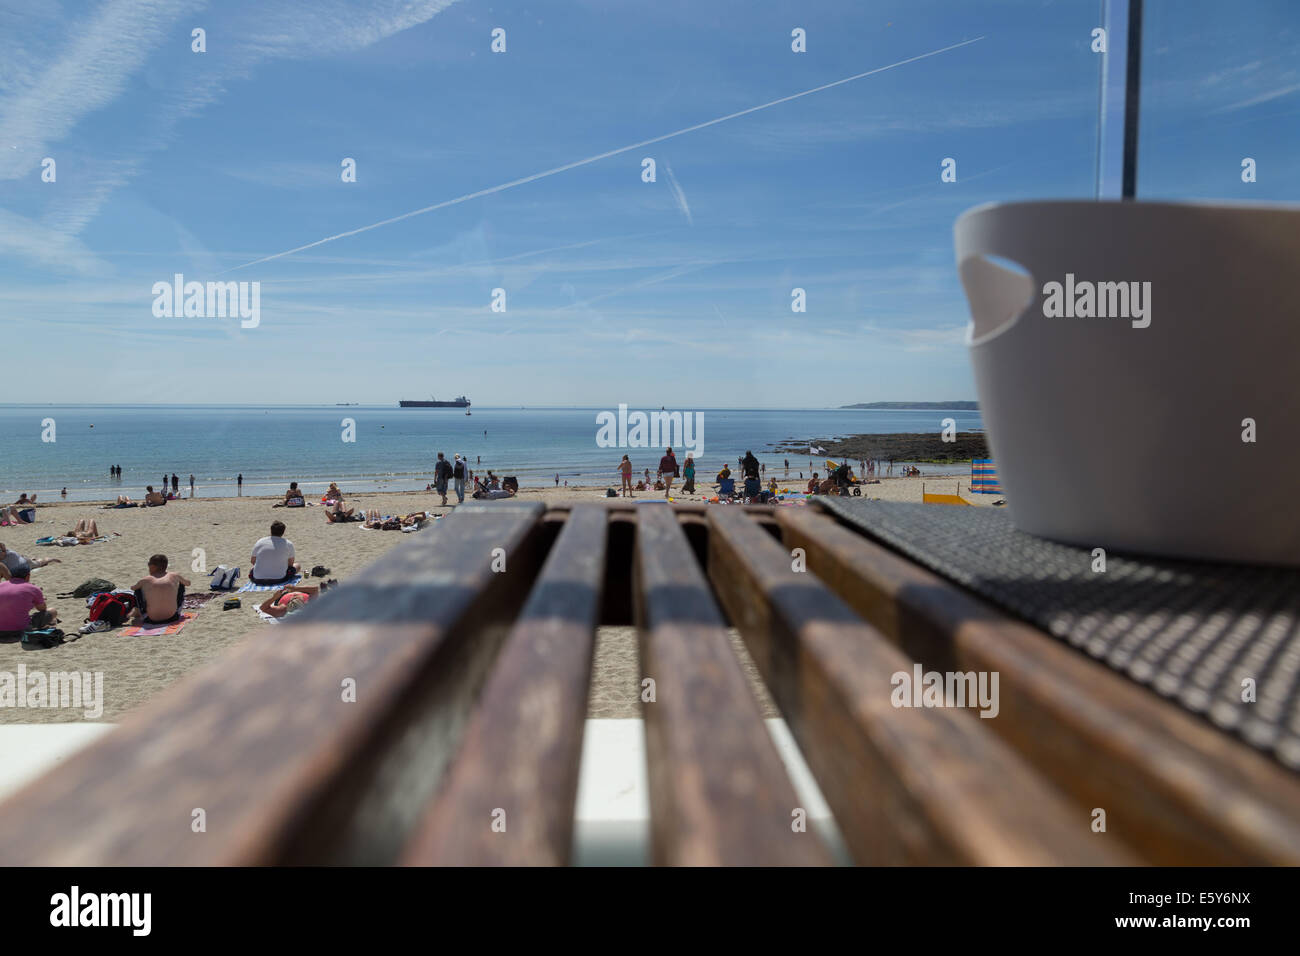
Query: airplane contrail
point(598, 157)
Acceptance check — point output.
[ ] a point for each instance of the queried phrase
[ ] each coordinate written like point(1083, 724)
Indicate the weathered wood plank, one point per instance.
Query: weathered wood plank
point(263, 741)
point(719, 793)
point(1174, 788)
point(907, 785)
point(508, 797)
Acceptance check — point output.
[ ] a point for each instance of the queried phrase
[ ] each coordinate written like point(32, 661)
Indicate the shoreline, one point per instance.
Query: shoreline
point(402, 484)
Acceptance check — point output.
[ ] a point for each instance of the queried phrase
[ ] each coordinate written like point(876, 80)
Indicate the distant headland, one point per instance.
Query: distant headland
point(956, 406)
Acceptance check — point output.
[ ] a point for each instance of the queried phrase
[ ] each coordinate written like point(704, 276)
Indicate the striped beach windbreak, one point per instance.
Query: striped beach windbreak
point(984, 477)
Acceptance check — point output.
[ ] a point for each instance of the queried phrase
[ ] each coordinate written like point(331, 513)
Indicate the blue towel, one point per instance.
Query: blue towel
point(250, 586)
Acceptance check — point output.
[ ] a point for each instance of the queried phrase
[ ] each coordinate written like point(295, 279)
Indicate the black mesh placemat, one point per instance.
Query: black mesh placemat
point(1191, 631)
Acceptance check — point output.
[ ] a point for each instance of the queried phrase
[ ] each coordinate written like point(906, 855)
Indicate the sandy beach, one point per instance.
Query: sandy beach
point(136, 668)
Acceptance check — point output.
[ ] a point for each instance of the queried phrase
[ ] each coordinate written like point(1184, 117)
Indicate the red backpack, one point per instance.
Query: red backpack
point(111, 608)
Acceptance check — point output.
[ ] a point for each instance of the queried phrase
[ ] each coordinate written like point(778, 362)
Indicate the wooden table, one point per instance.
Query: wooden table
point(431, 711)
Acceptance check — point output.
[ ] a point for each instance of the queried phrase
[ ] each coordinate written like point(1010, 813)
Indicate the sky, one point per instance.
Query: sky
point(674, 292)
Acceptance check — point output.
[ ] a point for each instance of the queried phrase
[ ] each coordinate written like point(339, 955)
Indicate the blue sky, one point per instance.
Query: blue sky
point(675, 292)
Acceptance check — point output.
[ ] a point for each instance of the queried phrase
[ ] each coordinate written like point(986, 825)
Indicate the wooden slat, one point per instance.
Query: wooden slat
point(262, 740)
point(907, 785)
point(1174, 788)
point(523, 745)
point(719, 793)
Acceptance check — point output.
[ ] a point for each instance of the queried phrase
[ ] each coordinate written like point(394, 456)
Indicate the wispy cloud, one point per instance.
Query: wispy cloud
point(49, 94)
point(39, 245)
point(679, 196)
point(588, 160)
point(919, 340)
point(1265, 97)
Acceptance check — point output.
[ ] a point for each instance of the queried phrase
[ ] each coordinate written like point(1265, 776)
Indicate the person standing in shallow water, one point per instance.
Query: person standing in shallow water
point(239, 483)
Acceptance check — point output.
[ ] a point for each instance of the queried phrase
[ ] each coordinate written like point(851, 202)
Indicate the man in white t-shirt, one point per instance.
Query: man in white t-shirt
point(273, 560)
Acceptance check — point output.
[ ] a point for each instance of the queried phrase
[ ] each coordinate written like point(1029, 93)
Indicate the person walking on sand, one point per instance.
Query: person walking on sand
point(688, 476)
point(458, 472)
point(557, 479)
point(749, 470)
point(441, 475)
point(625, 469)
point(668, 471)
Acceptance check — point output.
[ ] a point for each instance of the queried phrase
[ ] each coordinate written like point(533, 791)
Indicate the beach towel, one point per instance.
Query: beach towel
point(69, 541)
point(159, 630)
point(250, 586)
point(195, 601)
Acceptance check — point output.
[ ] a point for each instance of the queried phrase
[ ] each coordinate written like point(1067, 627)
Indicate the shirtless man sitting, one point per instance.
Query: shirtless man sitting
point(153, 498)
point(158, 597)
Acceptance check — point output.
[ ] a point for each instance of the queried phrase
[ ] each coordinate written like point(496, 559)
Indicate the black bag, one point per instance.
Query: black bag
point(458, 470)
point(611, 493)
point(41, 639)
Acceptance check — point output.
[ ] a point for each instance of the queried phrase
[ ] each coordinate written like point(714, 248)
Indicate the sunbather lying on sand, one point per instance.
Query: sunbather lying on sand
point(9, 514)
point(484, 492)
point(339, 514)
point(12, 560)
point(85, 527)
point(288, 599)
point(25, 502)
point(85, 531)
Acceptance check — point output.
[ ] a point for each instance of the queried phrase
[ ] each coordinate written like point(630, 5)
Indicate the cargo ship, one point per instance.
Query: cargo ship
point(459, 402)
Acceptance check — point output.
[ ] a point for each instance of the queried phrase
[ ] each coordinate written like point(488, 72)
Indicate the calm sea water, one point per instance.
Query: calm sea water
point(394, 448)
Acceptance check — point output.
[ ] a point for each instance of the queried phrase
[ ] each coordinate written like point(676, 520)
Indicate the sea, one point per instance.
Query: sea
point(368, 448)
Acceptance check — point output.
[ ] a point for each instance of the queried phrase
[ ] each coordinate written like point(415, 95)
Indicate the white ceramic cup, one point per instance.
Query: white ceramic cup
point(1126, 431)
